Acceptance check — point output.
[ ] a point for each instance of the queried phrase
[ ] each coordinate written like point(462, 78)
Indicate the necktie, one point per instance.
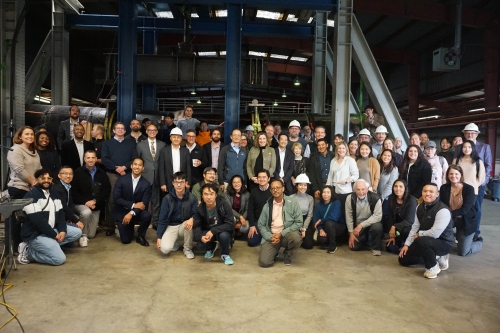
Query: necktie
point(153, 152)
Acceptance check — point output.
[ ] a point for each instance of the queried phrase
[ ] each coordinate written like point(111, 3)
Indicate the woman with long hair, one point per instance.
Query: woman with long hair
point(328, 220)
point(472, 166)
point(415, 170)
point(389, 144)
point(299, 162)
point(261, 156)
point(368, 166)
point(238, 196)
point(461, 199)
point(388, 174)
point(353, 148)
point(401, 215)
point(46, 149)
point(306, 203)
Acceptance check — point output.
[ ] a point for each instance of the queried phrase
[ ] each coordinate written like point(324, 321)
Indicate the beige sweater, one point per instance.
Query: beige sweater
point(22, 164)
point(469, 169)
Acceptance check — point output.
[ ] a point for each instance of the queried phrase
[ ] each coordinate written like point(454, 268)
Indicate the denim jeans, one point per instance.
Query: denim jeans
point(479, 202)
point(224, 239)
point(466, 244)
point(47, 250)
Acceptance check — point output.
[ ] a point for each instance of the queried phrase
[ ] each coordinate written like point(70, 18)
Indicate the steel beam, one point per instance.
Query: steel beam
point(491, 67)
point(341, 83)
point(39, 69)
point(149, 90)
point(198, 26)
point(60, 57)
point(233, 70)
point(127, 53)
point(289, 69)
point(425, 11)
point(290, 4)
point(319, 62)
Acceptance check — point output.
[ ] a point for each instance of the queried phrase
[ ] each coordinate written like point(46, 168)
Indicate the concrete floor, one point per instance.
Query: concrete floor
point(110, 287)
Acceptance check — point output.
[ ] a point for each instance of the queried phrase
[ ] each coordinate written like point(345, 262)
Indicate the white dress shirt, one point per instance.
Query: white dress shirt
point(176, 159)
point(79, 147)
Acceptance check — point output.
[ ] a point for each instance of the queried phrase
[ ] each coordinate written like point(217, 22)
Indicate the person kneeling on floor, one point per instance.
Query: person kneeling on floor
point(363, 213)
point(431, 236)
point(177, 217)
point(214, 223)
point(279, 225)
point(45, 229)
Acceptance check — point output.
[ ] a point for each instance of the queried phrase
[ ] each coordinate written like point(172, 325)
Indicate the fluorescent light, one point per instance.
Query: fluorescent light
point(279, 56)
point(42, 99)
point(430, 117)
point(269, 15)
point(258, 54)
point(299, 59)
point(330, 23)
point(194, 15)
point(164, 14)
point(207, 54)
point(292, 18)
point(222, 53)
point(310, 20)
point(477, 110)
point(221, 13)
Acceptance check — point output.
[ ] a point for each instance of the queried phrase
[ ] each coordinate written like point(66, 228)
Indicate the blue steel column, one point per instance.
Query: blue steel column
point(149, 90)
point(233, 69)
point(127, 54)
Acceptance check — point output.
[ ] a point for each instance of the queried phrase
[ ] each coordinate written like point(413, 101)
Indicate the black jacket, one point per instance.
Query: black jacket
point(419, 175)
point(198, 153)
point(83, 189)
point(208, 149)
point(467, 211)
point(165, 166)
point(226, 222)
point(405, 215)
point(314, 171)
point(288, 168)
point(69, 153)
point(59, 191)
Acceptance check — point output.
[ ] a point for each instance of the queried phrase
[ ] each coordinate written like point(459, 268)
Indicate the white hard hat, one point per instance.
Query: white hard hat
point(294, 123)
point(381, 129)
point(176, 131)
point(471, 127)
point(249, 128)
point(302, 179)
point(364, 131)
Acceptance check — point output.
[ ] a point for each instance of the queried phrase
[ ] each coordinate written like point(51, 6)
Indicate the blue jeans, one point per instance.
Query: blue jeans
point(224, 239)
point(479, 202)
point(47, 250)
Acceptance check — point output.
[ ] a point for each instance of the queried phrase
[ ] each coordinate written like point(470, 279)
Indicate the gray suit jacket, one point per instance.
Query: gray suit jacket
point(64, 133)
point(150, 165)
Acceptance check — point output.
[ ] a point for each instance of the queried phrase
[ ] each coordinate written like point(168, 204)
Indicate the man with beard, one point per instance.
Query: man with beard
point(65, 132)
point(311, 148)
point(213, 149)
point(294, 129)
point(72, 151)
point(270, 135)
point(136, 135)
point(45, 230)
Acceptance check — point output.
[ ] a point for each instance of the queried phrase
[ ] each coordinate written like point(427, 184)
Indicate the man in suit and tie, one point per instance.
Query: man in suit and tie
point(284, 164)
point(131, 195)
point(149, 151)
point(213, 149)
point(72, 151)
point(174, 158)
point(65, 132)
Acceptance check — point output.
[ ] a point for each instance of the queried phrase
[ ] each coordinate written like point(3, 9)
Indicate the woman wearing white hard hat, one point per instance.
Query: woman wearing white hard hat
point(306, 203)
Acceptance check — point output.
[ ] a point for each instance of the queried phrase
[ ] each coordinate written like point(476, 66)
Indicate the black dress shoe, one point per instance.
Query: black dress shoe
point(141, 240)
point(110, 232)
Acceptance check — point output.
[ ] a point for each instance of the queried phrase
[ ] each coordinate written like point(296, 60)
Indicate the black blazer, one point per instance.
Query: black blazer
point(467, 211)
point(419, 175)
point(84, 189)
point(59, 191)
point(314, 171)
point(69, 153)
point(124, 196)
point(198, 153)
point(288, 168)
point(63, 133)
point(208, 150)
point(165, 166)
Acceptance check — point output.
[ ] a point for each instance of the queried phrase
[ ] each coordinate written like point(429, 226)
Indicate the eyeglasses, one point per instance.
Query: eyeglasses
point(66, 173)
point(152, 131)
point(190, 136)
point(120, 129)
point(276, 188)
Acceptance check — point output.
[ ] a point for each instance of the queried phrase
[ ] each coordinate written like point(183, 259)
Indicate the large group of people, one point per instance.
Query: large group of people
point(269, 189)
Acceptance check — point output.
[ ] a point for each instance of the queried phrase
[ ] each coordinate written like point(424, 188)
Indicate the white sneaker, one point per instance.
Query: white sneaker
point(22, 258)
point(443, 262)
point(433, 272)
point(84, 241)
point(189, 254)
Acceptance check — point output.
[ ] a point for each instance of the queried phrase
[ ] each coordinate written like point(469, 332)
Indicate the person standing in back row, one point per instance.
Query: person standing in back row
point(232, 160)
point(188, 122)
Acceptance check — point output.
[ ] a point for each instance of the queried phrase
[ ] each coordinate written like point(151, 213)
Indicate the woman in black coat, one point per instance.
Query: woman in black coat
point(401, 215)
point(461, 199)
point(46, 148)
point(415, 170)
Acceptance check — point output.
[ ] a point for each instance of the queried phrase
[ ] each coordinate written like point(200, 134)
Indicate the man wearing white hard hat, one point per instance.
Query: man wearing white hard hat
point(174, 158)
point(380, 135)
point(365, 136)
point(249, 132)
point(471, 131)
point(294, 130)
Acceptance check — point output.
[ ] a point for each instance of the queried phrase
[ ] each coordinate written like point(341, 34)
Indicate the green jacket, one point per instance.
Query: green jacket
point(292, 218)
point(196, 190)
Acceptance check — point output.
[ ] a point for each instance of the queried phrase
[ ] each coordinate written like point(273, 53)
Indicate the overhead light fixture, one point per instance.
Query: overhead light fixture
point(296, 82)
point(283, 94)
point(193, 92)
point(275, 103)
point(198, 101)
point(429, 117)
point(477, 110)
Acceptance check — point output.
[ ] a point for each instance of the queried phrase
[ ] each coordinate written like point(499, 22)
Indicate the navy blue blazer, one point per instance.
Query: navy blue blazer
point(124, 198)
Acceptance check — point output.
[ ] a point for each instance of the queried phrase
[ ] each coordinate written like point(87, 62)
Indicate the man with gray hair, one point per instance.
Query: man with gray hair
point(363, 213)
